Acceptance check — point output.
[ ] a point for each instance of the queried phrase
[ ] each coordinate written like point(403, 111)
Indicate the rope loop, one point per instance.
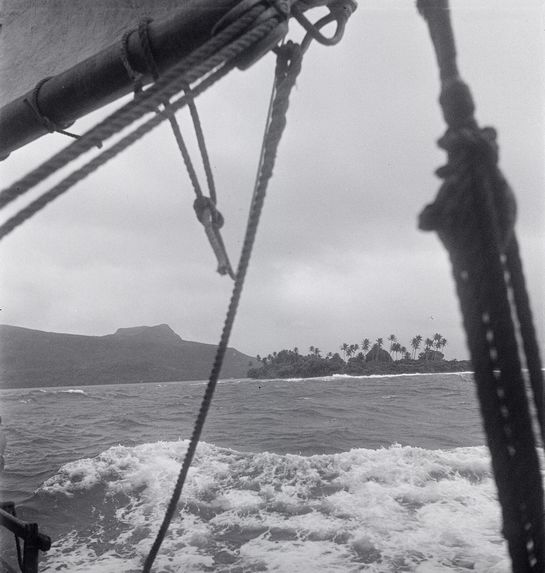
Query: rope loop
point(135, 76)
point(145, 43)
point(42, 119)
point(339, 12)
point(205, 207)
point(151, 65)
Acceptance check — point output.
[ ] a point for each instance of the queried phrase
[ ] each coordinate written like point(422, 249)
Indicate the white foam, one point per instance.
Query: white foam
point(72, 391)
point(369, 376)
point(409, 374)
point(391, 509)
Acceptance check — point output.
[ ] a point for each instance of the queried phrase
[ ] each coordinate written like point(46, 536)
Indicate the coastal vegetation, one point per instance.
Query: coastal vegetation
point(361, 358)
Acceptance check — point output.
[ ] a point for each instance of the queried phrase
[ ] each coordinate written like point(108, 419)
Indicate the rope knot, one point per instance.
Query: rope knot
point(290, 59)
point(472, 157)
point(206, 210)
point(478, 146)
point(45, 121)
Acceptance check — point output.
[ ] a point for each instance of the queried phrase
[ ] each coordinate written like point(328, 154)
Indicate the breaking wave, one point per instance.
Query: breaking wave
point(384, 510)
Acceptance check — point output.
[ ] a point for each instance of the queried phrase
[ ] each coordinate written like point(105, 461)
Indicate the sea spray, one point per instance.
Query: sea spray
point(389, 509)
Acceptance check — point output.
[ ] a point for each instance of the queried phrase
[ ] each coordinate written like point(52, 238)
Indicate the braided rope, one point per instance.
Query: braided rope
point(527, 330)
point(474, 215)
point(219, 49)
point(287, 70)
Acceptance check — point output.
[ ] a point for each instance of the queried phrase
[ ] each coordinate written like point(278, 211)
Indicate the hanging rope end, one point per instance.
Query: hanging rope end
point(212, 221)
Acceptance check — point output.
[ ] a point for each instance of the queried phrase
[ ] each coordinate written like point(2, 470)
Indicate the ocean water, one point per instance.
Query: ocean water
point(376, 474)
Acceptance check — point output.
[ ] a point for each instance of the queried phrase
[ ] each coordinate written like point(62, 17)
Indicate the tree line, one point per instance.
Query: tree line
point(360, 358)
point(397, 350)
point(432, 347)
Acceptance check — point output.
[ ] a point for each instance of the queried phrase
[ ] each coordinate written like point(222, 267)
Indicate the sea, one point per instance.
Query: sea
point(339, 474)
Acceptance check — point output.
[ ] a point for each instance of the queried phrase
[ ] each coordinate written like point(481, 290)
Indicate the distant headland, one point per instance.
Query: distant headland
point(33, 358)
point(361, 359)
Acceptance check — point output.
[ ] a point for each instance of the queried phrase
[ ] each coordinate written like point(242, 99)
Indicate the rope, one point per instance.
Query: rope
point(221, 48)
point(165, 86)
point(287, 69)
point(101, 159)
point(527, 331)
point(340, 11)
point(42, 119)
point(205, 208)
point(474, 215)
point(136, 77)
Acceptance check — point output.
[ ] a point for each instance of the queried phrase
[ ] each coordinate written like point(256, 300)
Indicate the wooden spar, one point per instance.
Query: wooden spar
point(102, 78)
point(34, 541)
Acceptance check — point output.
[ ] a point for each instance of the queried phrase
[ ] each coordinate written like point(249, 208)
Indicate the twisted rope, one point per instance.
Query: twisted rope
point(205, 207)
point(288, 67)
point(42, 119)
point(221, 48)
point(118, 121)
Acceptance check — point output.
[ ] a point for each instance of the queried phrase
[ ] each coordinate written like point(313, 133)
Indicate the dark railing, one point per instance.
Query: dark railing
point(33, 540)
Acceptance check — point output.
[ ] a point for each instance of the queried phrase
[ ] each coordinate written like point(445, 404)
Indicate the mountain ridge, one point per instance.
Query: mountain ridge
point(36, 358)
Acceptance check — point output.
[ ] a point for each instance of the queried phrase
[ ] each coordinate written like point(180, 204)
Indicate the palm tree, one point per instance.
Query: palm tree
point(379, 346)
point(317, 351)
point(403, 351)
point(365, 345)
point(396, 347)
point(443, 343)
point(415, 344)
point(429, 343)
point(344, 348)
point(393, 339)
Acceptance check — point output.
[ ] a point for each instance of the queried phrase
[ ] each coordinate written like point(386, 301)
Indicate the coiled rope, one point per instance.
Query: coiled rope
point(474, 216)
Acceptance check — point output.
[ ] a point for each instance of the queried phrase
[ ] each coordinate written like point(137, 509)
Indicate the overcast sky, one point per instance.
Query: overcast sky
point(338, 255)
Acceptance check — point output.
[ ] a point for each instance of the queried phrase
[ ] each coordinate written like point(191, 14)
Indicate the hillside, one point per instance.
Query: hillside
point(33, 358)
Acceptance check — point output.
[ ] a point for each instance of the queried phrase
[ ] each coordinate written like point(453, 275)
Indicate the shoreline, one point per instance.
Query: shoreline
point(322, 367)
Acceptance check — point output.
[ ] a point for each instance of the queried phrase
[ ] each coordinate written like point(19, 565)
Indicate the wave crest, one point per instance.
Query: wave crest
point(396, 508)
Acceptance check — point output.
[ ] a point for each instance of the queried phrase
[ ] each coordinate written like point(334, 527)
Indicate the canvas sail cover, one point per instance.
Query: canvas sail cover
point(41, 38)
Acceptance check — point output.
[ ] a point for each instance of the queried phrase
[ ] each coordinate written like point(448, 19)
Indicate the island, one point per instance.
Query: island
point(361, 360)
